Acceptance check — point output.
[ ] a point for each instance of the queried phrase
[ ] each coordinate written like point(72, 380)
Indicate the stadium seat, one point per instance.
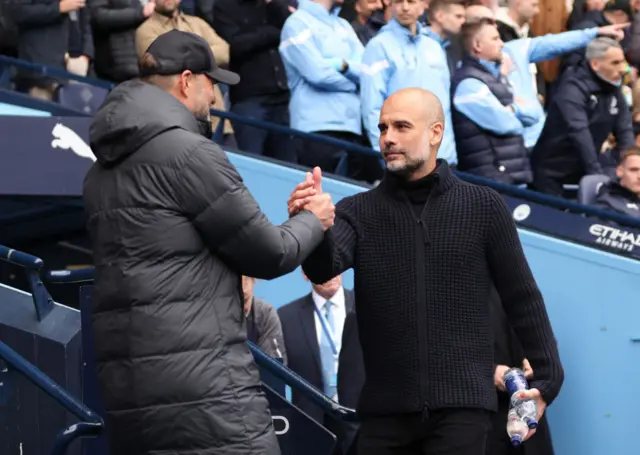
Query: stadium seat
point(589, 187)
point(81, 97)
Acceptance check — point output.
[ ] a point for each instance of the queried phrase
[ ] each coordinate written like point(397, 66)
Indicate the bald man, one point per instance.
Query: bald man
point(425, 248)
point(477, 12)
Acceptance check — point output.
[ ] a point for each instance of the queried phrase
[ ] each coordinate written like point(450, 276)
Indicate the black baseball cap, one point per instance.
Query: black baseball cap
point(177, 51)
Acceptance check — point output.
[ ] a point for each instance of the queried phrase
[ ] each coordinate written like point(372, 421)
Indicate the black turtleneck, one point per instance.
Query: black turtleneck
point(417, 191)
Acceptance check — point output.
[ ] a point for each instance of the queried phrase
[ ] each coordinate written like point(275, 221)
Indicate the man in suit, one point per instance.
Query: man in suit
point(314, 345)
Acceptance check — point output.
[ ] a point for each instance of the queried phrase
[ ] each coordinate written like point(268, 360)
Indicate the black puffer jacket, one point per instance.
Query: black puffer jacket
point(114, 32)
point(172, 228)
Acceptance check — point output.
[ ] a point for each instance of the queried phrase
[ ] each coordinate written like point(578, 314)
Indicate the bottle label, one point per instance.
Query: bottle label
point(514, 381)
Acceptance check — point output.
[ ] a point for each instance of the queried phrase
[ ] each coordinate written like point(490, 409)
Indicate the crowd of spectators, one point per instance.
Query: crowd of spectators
point(326, 66)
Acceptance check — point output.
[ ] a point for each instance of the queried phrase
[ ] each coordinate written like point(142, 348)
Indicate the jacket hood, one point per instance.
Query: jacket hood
point(134, 113)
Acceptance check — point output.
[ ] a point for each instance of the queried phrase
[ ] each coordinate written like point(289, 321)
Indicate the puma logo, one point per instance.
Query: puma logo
point(67, 139)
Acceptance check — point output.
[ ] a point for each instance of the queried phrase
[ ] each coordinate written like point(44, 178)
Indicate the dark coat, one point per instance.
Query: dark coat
point(584, 112)
point(612, 196)
point(114, 23)
point(252, 29)
point(172, 228)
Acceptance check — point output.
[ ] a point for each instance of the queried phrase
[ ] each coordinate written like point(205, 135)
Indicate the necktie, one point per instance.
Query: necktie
point(329, 367)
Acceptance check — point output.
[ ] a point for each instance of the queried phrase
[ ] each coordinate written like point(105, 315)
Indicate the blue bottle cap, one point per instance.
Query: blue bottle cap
point(516, 440)
point(532, 423)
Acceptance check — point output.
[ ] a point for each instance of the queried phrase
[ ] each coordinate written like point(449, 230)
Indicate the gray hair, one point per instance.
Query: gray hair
point(599, 46)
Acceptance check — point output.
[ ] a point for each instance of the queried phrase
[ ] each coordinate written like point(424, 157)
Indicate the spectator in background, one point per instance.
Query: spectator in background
point(360, 14)
point(633, 50)
point(200, 8)
point(491, 4)
point(488, 119)
point(445, 20)
point(80, 54)
point(623, 196)
point(8, 33)
point(322, 56)
point(263, 325)
point(252, 28)
point(44, 38)
point(114, 32)
point(582, 8)
point(515, 19)
point(614, 12)
point(403, 56)
point(520, 54)
point(514, 22)
point(477, 11)
point(167, 16)
point(588, 107)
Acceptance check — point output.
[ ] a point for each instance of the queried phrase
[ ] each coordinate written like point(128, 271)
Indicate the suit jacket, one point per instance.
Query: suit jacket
point(303, 352)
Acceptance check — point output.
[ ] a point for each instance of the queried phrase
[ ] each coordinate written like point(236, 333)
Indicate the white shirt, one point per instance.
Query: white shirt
point(338, 310)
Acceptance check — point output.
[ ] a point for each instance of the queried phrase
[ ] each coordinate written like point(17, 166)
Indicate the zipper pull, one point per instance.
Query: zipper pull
point(424, 231)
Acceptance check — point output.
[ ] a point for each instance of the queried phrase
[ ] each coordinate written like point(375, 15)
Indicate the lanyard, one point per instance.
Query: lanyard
point(327, 331)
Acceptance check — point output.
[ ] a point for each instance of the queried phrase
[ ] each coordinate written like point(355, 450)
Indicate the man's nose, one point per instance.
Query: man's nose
point(389, 139)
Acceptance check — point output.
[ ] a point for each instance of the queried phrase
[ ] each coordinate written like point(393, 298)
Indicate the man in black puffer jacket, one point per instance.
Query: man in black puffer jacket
point(173, 228)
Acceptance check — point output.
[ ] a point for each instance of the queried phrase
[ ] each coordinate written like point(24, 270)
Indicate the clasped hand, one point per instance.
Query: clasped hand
point(308, 195)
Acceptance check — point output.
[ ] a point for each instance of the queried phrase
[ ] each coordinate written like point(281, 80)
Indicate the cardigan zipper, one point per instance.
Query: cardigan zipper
point(422, 241)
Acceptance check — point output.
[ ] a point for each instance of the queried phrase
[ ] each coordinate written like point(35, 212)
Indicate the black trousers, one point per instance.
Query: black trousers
point(442, 432)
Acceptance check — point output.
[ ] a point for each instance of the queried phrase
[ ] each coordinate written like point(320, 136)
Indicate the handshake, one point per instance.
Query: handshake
point(308, 195)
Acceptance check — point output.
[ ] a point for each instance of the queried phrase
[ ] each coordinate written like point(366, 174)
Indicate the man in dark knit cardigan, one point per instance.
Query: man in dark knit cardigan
point(425, 248)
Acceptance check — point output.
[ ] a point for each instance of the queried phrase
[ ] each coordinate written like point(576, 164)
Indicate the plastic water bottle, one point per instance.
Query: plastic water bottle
point(517, 429)
point(515, 382)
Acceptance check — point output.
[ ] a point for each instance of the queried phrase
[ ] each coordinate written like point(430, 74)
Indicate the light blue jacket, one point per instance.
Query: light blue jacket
point(313, 45)
point(394, 60)
point(474, 99)
point(525, 51)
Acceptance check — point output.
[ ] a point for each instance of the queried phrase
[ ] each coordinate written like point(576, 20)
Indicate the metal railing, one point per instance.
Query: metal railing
point(527, 195)
point(277, 369)
point(90, 424)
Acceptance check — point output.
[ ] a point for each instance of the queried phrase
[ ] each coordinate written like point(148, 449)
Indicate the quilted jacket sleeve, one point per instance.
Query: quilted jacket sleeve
point(229, 219)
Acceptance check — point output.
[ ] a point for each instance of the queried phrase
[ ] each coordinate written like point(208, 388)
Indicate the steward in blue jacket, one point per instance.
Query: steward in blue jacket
point(322, 57)
point(587, 108)
point(396, 59)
